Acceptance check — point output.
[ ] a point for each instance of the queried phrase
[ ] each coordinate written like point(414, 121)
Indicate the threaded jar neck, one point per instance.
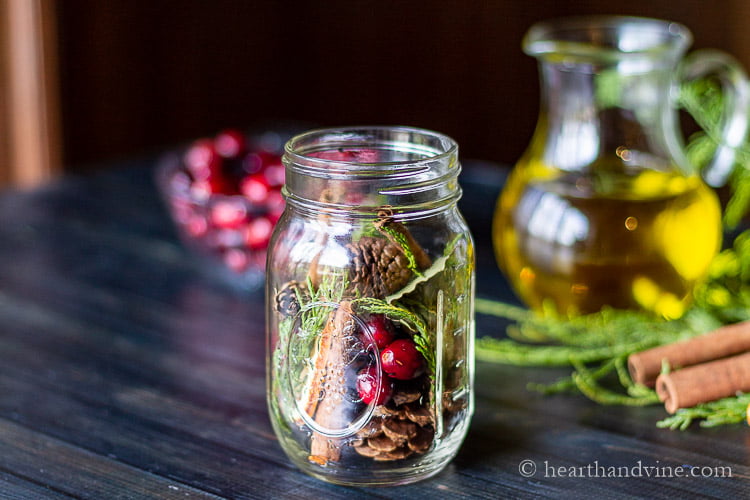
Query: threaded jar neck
point(356, 171)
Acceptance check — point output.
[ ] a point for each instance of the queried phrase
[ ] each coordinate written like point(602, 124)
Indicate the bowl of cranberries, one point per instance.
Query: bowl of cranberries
point(224, 195)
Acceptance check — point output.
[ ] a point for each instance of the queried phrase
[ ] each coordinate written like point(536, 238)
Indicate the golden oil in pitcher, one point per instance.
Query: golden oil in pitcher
point(603, 209)
point(580, 242)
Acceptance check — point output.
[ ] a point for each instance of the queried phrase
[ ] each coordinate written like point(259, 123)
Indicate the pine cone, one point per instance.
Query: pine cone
point(287, 302)
point(396, 431)
point(379, 267)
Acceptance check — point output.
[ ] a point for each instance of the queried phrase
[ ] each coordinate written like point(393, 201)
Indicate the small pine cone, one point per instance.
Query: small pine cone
point(421, 442)
point(372, 429)
point(388, 411)
point(287, 303)
point(454, 405)
point(405, 394)
point(418, 414)
point(400, 431)
point(366, 451)
point(382, 443)
point(397, 439)
point(397, 454)
point(379, 267)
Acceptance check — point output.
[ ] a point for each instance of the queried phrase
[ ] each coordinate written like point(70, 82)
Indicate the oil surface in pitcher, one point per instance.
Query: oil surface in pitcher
point(579, 241)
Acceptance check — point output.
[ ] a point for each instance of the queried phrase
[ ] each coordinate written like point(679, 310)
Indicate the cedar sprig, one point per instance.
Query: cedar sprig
point(567, 384)
point(537, 340)
point(594, 345)
point(329, 291)
point(403, 243)
point(587, 384)
point(731, 410)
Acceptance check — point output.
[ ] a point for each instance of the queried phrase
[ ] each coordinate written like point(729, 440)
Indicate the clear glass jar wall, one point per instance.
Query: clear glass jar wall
point(370, 289)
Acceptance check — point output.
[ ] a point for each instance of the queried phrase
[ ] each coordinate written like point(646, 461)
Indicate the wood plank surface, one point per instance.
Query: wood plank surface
point(128, 371)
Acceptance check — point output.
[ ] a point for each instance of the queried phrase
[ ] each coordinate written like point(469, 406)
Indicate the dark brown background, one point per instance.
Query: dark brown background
point(141, 74)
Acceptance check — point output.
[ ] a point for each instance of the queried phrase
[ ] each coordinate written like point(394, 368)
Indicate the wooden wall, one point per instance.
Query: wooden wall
point(140, 74)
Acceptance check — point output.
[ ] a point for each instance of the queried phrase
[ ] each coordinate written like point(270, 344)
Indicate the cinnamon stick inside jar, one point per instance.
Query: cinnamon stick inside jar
point(705, 382)
point(329, 410)
point(728, 340)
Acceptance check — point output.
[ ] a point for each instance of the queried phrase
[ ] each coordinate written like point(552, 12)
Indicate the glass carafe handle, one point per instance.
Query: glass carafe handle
point(730, 131)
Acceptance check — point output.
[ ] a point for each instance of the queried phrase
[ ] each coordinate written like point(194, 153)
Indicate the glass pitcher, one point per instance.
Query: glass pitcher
point(603, 208)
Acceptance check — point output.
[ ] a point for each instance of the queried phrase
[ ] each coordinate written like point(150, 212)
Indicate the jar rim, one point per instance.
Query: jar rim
point(606, 36)
point(297, 150)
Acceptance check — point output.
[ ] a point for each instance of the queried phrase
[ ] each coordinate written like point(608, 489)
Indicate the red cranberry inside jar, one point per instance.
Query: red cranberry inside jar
point(367, 386)
point(381, 331)
point(401, 360)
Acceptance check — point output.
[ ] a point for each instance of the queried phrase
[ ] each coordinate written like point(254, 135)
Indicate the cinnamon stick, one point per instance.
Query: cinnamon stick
point(705, 382)
point(327, 407)
point(728, 340)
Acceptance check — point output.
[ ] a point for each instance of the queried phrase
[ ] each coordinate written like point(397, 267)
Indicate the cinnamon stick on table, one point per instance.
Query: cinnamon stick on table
point(705, 382)
point(728, 340)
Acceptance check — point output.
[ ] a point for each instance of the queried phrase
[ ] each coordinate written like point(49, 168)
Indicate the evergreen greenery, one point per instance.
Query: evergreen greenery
point(731, 410)
point(402, 242)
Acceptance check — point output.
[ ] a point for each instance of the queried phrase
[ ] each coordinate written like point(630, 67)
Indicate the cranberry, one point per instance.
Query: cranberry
point(229, 212)
point(354, 198)
point(401, 360)
point(205, 188)
point(182, 210)
point(180, 182)
point(196, 226)
point(255, 188)
point(366, 156)
point(269, 158)
point(367, 386)
point(349, 155)
point(225, 238)
point(258, 232)
point(236, 259)
point(202, 161)
point(274, 218)
point(381, 330)
point(257, 259)
point(274, 175)
point(252, 163)
point(275, 202)
point(230, 143)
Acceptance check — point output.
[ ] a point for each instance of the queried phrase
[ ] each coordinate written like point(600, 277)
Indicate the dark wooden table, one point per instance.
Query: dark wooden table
point(125, 372)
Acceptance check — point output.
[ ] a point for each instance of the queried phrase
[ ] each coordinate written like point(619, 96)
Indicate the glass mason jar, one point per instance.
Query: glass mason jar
point(370, 286)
